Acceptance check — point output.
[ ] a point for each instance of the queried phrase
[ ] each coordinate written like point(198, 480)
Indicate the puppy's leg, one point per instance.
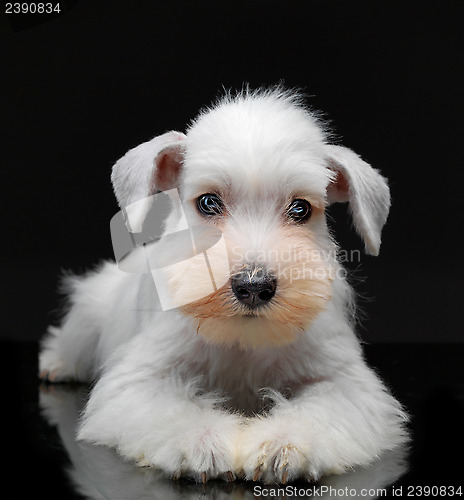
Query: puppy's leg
point(145, 408)
point(327, 428)
point(68, 352)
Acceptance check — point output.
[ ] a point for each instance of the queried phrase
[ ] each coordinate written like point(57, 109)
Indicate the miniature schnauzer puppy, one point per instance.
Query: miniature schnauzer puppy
point(251, 366)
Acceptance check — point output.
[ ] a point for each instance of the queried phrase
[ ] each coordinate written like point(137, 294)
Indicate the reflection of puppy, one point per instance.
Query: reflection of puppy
point(182, 389)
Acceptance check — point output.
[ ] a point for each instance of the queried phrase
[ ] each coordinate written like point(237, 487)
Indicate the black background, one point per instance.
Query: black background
point(79, 89)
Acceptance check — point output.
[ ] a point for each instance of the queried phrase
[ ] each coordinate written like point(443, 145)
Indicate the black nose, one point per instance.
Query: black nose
point(254, 287)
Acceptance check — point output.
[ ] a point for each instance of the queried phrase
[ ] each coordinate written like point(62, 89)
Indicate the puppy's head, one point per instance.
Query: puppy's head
point(255, 169)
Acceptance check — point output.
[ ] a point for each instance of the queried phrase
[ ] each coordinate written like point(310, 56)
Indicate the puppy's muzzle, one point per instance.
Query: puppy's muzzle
point(254, 286)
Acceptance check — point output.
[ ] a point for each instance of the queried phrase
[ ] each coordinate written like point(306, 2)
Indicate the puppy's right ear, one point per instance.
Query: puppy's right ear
point(152, 166)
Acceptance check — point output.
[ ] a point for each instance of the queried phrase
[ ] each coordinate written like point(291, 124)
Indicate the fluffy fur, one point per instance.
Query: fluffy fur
point(205, 389)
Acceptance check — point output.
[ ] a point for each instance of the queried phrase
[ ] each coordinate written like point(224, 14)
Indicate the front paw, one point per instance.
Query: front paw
point(202, 453)
point(274, 451)
point(275, 461)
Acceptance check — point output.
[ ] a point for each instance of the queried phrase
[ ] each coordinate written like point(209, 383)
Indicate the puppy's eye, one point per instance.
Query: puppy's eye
point(299, 210)
point(210, 204)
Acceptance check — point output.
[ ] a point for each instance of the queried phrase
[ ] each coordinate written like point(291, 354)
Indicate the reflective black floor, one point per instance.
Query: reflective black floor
point(428, 379)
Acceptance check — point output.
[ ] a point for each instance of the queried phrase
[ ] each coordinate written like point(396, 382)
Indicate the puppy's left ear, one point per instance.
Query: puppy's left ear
point(150, 167)
point(356, 182)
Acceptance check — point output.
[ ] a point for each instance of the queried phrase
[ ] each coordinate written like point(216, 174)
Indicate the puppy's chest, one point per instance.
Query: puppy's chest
point(244, 381)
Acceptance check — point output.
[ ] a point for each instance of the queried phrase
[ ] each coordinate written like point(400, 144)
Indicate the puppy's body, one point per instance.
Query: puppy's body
point(215, 386)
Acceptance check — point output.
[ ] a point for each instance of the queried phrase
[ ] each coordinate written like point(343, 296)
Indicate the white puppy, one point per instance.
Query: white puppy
point(254, 367)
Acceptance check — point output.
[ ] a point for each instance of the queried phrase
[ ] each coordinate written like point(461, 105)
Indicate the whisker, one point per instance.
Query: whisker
point(291, 305)
point(314, 295)
point(215, 294)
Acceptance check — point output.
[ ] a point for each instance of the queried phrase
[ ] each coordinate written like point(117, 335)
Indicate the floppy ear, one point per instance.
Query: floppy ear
point(150, 167)
point(367, 192)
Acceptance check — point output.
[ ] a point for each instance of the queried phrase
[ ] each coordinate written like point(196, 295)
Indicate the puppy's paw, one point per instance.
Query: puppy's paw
point(271, 452)
point(275, 461)
point(52, 369)
point(54, 376)
point(51, 366)
point(202, 453)
point(207, 454)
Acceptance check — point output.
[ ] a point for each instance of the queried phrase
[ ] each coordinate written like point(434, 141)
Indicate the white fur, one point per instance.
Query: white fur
point(168, 397)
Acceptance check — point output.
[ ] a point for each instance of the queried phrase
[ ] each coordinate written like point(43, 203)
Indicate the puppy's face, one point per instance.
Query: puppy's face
point(263, 186)
point(256, 170)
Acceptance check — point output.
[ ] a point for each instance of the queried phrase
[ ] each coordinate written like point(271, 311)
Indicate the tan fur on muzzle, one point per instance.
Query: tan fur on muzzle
point(304, 282)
